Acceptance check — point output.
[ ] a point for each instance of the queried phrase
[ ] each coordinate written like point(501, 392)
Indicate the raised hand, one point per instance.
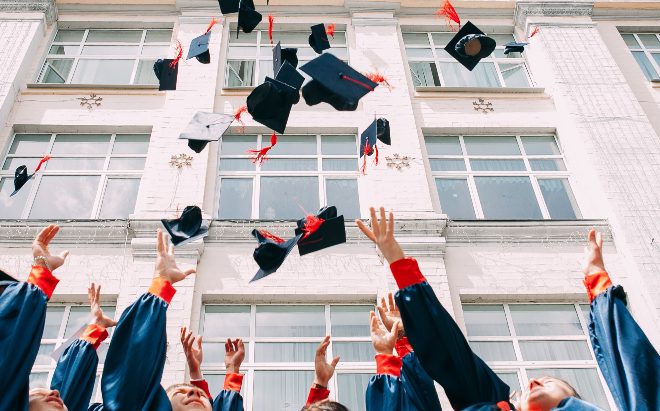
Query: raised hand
point(323, 369)
point(382, 339)
point(40, 250)
point(389, 314)
point(94, 296)
point(234, 355)
point(192, 347)
point(165, 264)
point(382, 233)
point(593, 254)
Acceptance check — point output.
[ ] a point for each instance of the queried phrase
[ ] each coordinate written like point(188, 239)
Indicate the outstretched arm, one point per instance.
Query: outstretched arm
point(385, 391)
point(434, 335)
point(627, 359)
point(192, 348)
point(230, 398)
point(323, 372)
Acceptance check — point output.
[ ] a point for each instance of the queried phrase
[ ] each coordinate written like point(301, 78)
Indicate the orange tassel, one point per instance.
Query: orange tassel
point(211, 24)
point(259, 156)
point(43, 160)
point(271, 236)
point(179, 54)
point(239, 112)
point(378, 78)
point(450, 14)
point(330, 30)
point(536, 30)
point(312, 224)
point(271, 21)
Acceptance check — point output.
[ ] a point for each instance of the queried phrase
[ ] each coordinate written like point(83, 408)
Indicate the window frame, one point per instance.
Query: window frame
point(469, 175)
point(648, 52)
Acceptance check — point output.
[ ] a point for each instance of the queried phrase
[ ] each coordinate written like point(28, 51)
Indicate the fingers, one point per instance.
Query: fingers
point(390, 225)
point(374, 222)
point(159, 241)
point(334, 362)
point(382, 223)
point(390, 297)
point(198, 340)
point(43, 234)
point(170, 250)
point(599, 240)
point(239, 344)
point(395, 328)
point(182, 333)
point(373, 322)
point(228, 347)
point(54, 230)
point(382, 311)
point(383, 305)
point(365, 230)
point(189, 271)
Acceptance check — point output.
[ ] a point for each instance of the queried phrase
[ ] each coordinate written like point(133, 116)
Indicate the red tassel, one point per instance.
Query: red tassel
point(536, 30)
point(43, 160)
point(239, 112)
point(271, 236)
point(378, 78)
point(330, 30)
point(450, 14)
point(259, 156)
point(312, 224)
point(358, 82)
point(376, 159)
point(271, 21)
point(179, 54)
point(211, 24)
point(365, 153)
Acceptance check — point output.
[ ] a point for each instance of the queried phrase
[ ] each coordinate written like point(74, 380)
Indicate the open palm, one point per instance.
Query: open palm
point(165, 263)
point(382, 339)
point(40, 247)
point(94, 296)
point(593, 259)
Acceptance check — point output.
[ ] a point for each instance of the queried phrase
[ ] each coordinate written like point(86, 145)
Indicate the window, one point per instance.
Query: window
point(280, 343)
point(645, 47)
point(431, 66)
point(301, 173)
point(501, 177)
point(250, 56)
point(105, 56)
point(63, 321)
point(89, 175)
point(522, 341)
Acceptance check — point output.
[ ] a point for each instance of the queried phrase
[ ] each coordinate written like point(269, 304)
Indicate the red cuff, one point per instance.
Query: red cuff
point(388, 364)
point(406, 272)
point(204, 386)
point(596, 284)
point(233, 382)
point(162, 288)
point(44, 279)
point(403, 347)
point(94, 334)
point(317, 394)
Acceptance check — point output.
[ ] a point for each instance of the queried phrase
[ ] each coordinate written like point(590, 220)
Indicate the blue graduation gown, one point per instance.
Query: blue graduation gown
point(228, 400)
point(567, 404)
point(75, 375)
point(418, 386)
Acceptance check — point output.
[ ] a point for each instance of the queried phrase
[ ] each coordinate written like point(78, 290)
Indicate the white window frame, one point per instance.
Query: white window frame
point(647, 51)
point(105, 174)
point(79, 56)
point(490, 59)
point(263, 140)
point(249, 365)
point(469, 175)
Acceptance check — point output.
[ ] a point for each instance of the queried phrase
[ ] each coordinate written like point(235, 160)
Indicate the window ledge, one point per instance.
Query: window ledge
point(237, 91)
point(94, 86)
point(498, 90)
point(655, 83)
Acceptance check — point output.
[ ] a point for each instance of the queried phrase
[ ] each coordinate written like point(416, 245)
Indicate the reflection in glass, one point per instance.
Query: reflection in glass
point(350, 320)
point(288, 197)
point(235, 198)
point(119, 198)
point(81, 144)
point(555, 350)
point(494, 350)
point(509, 198)
point(545, 319)
point(136, 163)
point(541, 145)
point(131, 144)
point(559, 198)
point(354, 351)
point(12, 207)
point(280, 390)
point(285, 352)
point(63, 163)
point(56, 71)
point(54, 316)
point(455, 198)
point(145, 73)
point(290, 321)
point(30, 144)
point(226, 321)
point(65, 197)
point(97, 71)
point(483, 75)
point(485, 319)
point(338, 145)
point(343, 193)
point(491, 146)
point(443, 146)
point(237, 145)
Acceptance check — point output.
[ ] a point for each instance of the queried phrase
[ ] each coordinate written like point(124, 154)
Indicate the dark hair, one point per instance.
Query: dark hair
point(325, 406)
point(574, 392)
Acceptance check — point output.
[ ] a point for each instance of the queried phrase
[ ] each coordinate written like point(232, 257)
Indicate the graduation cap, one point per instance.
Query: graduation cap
point(334, 82)
point(470, 45)
point(271, 252)
point(319, 38)
point(204, 128)
point(514, 47)
point(383, 131)
point(167, 70)
point(248, 17)
point(229, 6)
point(21, 176)
point(4, 276)
point(281, 55)
point(189, 227)
point(323, 230)
point(199, 48)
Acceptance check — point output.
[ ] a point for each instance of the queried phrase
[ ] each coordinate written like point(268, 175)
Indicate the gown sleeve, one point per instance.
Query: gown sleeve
point(316, 395)
point(134, 365)
point(75, 373)
point(629, 362)
point(203, 385)
point(22, 318)
point(418, 387)
point(230, 398)
point(439, 343)
point(385, 391)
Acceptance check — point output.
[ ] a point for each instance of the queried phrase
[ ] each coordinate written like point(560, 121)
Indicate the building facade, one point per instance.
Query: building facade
point(495, 176)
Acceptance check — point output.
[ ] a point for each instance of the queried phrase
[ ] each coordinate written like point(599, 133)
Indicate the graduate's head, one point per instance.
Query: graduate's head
point(545, 393)
point(325, 405)
point(185, 397)
point(44, 399)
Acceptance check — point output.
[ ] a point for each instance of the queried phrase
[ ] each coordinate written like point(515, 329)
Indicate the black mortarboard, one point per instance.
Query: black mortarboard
point(334, 82)
point(281, 55)
point(370, 135)
point(228, 6)
point(271, 252)
point(319, 38)
point(383, 131)
point(248, 17)
point(199, 48)
point(21, 176)
point(331, 230)
point(514, 47)
point(166, 72)
point(205, 127)
point(4, 276)
point(467, 33)
point(189, 227)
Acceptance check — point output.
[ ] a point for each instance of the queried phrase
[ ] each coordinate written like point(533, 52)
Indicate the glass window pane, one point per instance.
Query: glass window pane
point(447, 164)
point(214, 352)
point(656, 57)
point(559, 198)
point(38, 380)
point(237, 145)
point(419, 53)
point(485, 320)
point(102, 352)
point(109, 50)
point(584, 380)
point(114, 36)
point(417, 39)
point(455, 199)
point(131, 144)
point(497, 165)
point(154, 50)
point(145, 73)
point(78, 317)
point(424, 74)
point(56, 71)
point(338, 145)
point(343, 193)
point(64, 50)
point(285, 352)
point(507, 198)
point(127, 163)
point(304, 145)
point(555, 350)
point(483, 75)
point(216, 382)
point(290, 164)
point(43, 355)
point(491, 146)
point(514, 75)
point(645, 65)
point(443, 146)
point(12, 207)
point(441, 39)
point(280, 390)
point(649, 40)
point(226, 321)
point(11, 163)
point(93, 71)
point(586, 311)
point(338, 40)
point(236, 164)
point(75, 164)
point(630, 40)
point(351, 389)
point(339, 164)
point(502, 39)
point(119, 198)
point(54, 317)
point(289, 37)
point(548, 165)
point(29, 144)
point(240, 73)
point(354, 351)
point(65, 197)
point(158, 36)
point(81, 144)
point(540, 146)
point(69, 36)
point(290, 321)
point(265, 68)
point(350, 320)
point(511, 379)
point(545, 319)
point(235, 198)
point(246, 53)
point(494, 350)
point(287, 197)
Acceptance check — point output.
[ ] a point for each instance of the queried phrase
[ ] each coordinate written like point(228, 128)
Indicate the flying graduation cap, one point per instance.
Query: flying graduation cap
point(514, 47)
point(320, 231)
point(189, 227)
point(281, 55)
point(248, 17)
point(383, 131)
point(204, 128)
point(167, 70)
point(334, 82)
point(318, 40)
point(21, 176)
point(470, 45)
point(199, 46)
point(271, 252)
